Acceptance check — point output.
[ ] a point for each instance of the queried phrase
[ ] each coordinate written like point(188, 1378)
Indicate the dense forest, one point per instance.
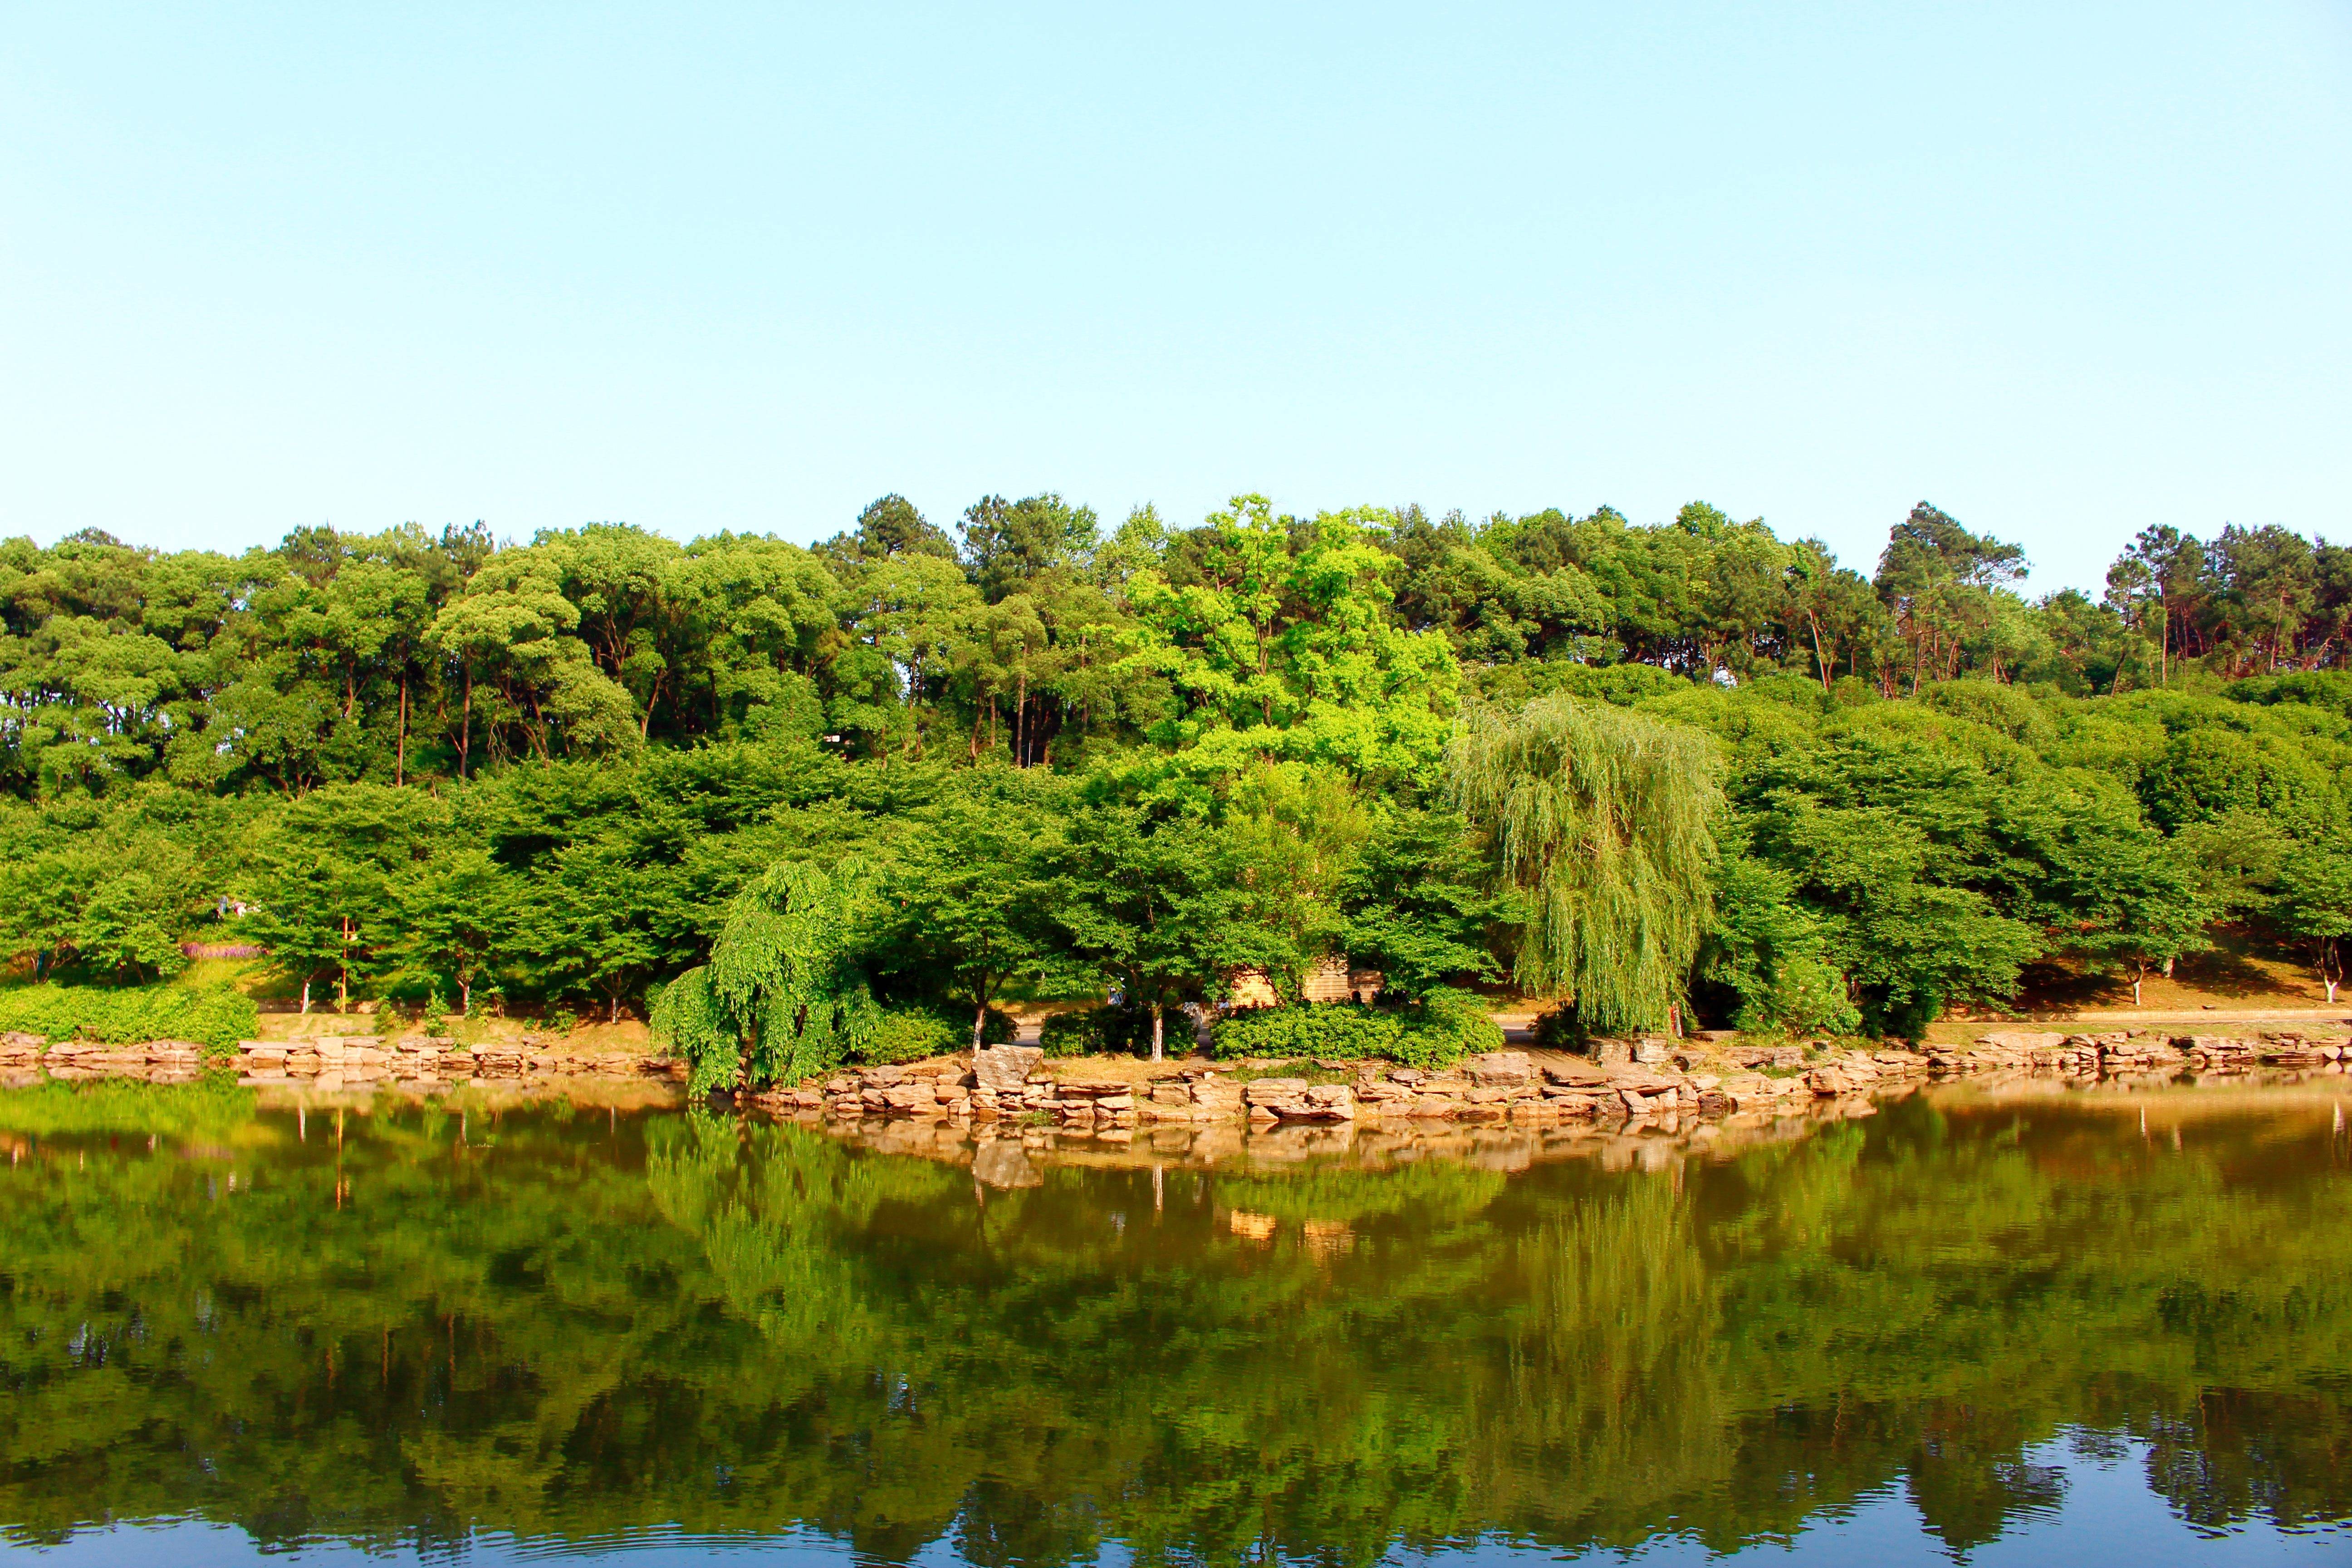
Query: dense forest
point(1689, 769)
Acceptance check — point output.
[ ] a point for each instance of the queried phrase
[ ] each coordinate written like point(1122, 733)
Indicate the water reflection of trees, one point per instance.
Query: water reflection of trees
point(574, 1327)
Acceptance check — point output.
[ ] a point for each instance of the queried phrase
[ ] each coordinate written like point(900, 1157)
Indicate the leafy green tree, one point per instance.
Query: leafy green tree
point(1412, 904)
point(2132, 901)
point(1278, 640)
point(1292, 835)
point(591, 930)
point(459, 915)
point(326, 879)
point(892, 526)
point(40, 904)
point(2162, 577)
point(1603, 823)
point(1010, 544)
point(131, 922)
point(1909, 946)
point(787, 993)
point(2313, 905)
point(1149, 904)
point(1766, 961)
point(1938, 581)
point(2210, 771)
point(2270, 587)
point(2235, 859)
point(968, 901)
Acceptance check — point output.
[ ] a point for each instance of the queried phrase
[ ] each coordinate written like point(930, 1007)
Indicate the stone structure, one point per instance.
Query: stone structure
point(1015, 1085)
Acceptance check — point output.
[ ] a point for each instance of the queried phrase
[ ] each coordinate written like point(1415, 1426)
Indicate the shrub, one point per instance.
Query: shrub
point(912, 1034)
point(216, 1016)
point(1557, 1028)
point(1344, 1030)
point(1102, 1031)
point(1440, 1029)
point(1457, 1024)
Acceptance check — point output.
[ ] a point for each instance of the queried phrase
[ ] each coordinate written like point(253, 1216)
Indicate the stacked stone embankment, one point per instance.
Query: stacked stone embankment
point(1013, 1083)
point(1650, 1077)
point(162, 1060)
point(2121, 1052)
point(1623, 1080)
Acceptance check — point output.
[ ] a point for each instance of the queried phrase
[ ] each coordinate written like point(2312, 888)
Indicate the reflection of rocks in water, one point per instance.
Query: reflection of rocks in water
point(1005, 1157)
point(1003, 1162)
point(1643, 1122)
point(1258, 1227)
point(1286, 1142)
point(1326, 1239)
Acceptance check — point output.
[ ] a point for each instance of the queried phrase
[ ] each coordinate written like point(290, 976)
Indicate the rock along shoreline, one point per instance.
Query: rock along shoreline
point(1623, 1081)
point(1649, 1080)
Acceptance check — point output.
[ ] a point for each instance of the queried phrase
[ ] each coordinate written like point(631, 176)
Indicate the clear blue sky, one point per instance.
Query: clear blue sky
point(2065, 270)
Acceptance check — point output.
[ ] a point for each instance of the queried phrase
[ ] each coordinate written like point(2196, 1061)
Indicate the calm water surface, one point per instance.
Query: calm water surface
point(2067, 1328)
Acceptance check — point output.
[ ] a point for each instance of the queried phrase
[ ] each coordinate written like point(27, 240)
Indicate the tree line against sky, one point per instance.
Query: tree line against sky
point(1135, 757)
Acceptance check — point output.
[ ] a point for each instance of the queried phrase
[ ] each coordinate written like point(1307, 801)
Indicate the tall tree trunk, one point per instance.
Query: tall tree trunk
point(979, 1020)
point(466, 725)
point(399, 752)
point(1158, 1014)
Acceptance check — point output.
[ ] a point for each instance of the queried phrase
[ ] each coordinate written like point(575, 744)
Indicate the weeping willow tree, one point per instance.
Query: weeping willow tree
point(783, 995)
point(1603, 823)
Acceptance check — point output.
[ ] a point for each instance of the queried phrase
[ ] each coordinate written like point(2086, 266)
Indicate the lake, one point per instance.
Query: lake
point(2025, 1327)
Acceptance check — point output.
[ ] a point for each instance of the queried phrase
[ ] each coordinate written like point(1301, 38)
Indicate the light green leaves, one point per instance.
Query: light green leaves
point(1604, 822)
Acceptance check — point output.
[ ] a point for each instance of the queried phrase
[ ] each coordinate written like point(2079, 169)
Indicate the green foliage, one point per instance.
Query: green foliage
point(1768, 955)
point(1451, 1023)
point(1277, 641)
point(1152, 902)
point(2314, 906)
point(1415, 907)
point(1105, 1031)
point(1443, 1027)
point(965, 898)
point(785, 995)
point(543, 773)
point(1604, 822)
point(213, 1016)
point(910, 1035)
point(913, 1034)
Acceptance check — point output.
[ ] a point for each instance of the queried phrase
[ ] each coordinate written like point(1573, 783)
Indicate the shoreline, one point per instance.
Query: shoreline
point(1648, 1085)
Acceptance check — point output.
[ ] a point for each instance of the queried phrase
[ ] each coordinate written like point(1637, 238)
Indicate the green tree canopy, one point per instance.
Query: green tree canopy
point(1604, 822)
